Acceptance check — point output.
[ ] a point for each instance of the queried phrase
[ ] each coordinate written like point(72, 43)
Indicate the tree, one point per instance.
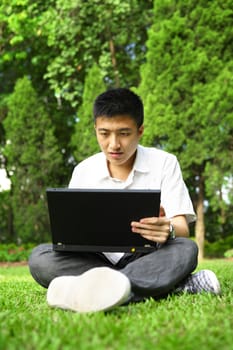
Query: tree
point(24, 51)
point(187, 88)
point(33, 161)
point(83, 140)
point(55, 43)
point(109, 32)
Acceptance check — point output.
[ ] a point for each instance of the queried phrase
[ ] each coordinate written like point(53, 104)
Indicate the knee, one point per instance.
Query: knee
point(189, 249)
point(37, 262)
point(188, 242)
point(192, 246)
point(35, 257)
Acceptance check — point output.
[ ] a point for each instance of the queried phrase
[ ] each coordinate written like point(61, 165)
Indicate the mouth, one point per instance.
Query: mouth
point(115, 155)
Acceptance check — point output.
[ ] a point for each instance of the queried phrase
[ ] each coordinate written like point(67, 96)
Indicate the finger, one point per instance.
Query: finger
point(159, 221)
point(162, 211)
point(157, 239)
point(153, 220)
point(150, 234)
point(143, 227)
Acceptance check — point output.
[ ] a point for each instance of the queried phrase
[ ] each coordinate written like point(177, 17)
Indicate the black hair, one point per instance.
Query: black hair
point(119, 101)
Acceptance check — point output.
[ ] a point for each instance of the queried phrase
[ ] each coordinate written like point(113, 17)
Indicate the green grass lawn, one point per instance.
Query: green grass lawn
point(182, 322)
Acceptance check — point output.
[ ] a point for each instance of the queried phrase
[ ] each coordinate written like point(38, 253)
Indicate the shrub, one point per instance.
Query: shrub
point(12, 252)
point(229, 253)
point(218, 248)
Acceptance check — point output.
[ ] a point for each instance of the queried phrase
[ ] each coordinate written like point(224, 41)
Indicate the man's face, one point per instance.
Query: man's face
point(118, 138)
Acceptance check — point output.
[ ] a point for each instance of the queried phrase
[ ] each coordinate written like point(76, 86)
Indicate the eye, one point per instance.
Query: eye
point(103, 133)
point(124, 133)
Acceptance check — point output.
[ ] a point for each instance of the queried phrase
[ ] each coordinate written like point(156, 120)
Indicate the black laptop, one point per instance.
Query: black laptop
point(94, 220)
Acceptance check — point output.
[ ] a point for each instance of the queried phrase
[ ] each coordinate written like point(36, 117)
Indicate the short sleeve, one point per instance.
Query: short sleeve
point(174, 194)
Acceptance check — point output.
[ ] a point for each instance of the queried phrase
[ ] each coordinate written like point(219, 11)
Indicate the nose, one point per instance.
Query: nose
point(114, 142)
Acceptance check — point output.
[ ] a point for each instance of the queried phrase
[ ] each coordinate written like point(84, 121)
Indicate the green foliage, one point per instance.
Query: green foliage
point(218, 248)
point(228, 253)
point(62, 39)
point(24, 52)
point(84, 140)
point(109, 32)
point(187, 83)
point(177, 322)
point(219, 224)
point(12, 252)
point(187, 88)
point(33, 160)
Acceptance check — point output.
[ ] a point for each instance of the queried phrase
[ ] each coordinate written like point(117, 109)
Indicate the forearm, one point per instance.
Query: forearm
point(180, 225)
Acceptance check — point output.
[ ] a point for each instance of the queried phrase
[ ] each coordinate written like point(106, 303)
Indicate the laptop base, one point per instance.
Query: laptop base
point(91, 248)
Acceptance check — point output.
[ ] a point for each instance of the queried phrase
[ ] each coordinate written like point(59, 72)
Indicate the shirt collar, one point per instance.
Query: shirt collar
point(140, 163)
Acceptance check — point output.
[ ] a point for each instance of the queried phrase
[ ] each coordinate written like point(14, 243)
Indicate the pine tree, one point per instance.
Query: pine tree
point(33, 161)
point(187, 88)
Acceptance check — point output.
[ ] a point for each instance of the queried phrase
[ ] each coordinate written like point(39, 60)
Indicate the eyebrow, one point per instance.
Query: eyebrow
point(120, 129)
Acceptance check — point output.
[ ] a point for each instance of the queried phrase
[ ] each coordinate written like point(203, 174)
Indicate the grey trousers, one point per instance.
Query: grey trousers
point(154, 274)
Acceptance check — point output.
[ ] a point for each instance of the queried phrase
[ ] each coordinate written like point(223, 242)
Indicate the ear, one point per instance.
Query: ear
point(141, 130)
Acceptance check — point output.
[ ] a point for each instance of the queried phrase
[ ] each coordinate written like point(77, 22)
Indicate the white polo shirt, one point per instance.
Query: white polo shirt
point(153, 169)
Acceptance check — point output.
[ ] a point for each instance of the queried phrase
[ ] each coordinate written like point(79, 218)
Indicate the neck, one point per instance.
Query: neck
point(118, 172)
point(122, 171)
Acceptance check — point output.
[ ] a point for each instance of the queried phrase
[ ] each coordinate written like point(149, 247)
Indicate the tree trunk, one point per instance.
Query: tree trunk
point(200, 223)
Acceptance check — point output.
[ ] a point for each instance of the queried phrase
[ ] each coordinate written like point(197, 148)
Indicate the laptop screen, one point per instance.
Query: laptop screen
point(99, 220)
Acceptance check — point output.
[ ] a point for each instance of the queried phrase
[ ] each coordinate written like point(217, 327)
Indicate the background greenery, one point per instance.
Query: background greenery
point(184, 322)
point(56, 56)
